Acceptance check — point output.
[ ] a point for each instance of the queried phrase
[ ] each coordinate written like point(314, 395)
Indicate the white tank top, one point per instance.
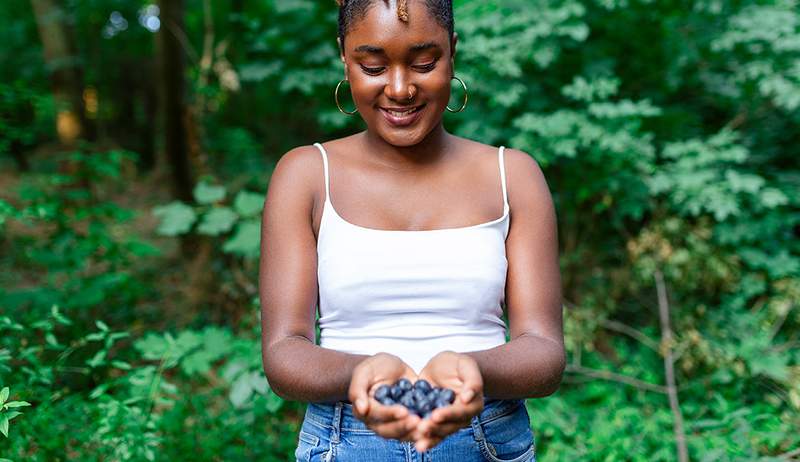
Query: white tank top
point(411, 293)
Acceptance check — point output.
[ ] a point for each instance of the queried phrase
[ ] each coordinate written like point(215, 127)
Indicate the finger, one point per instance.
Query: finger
point(450, 414)
point(425, 444)
point(379, 413)
point(444, 430)
point(470, 374)
point(359, 393)
point(402, 429)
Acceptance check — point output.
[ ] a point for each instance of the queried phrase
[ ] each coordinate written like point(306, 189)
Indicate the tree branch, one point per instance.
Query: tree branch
point(669, 367)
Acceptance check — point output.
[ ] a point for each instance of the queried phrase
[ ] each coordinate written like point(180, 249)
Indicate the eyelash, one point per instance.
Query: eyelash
point(377, 70)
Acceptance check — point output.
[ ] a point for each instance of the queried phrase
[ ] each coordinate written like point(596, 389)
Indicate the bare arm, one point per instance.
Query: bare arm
point(532, 363)
point(295, 366)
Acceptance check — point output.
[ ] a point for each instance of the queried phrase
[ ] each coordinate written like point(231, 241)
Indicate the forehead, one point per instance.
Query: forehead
point(380, 26)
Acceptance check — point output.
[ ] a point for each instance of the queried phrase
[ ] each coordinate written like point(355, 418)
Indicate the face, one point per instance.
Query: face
point(399, 72)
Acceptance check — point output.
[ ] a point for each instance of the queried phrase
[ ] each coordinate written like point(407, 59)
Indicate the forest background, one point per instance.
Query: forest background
point(136, 145)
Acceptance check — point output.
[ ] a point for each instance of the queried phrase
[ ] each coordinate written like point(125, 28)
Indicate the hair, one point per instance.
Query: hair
point(352, 10)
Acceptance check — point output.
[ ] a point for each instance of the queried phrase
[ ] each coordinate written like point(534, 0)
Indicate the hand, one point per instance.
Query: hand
point(461, 374)
point(387, 421)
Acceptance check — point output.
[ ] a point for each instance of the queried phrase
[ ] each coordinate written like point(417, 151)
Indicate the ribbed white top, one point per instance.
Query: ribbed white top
point(411, 293)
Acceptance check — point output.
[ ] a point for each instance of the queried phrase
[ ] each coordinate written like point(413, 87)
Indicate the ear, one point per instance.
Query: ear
point(341, 49)
point(453, 51)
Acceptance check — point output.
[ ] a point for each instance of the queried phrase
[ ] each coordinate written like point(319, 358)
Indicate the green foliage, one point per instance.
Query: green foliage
point(668, 136)
point(177, 218)
point(6, 415)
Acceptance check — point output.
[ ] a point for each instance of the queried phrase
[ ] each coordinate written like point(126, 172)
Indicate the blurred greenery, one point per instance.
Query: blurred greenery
point(668, 132)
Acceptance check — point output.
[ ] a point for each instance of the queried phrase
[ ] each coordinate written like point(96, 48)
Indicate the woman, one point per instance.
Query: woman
point(396, 231)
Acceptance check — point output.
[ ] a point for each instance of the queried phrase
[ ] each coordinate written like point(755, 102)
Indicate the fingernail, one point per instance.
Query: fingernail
point(467, 396)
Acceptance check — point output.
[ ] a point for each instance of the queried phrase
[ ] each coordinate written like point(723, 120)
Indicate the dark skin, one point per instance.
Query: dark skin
point(414, 177)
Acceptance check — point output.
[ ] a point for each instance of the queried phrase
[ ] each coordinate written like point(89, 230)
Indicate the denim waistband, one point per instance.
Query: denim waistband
point(339, 416)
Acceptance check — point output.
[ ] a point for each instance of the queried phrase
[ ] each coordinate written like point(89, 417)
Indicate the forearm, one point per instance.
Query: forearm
point(526, 367)
point(302, 371)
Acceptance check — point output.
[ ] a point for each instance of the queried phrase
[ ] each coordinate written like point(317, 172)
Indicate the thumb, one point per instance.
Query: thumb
point(471, 378)
point(359, 392)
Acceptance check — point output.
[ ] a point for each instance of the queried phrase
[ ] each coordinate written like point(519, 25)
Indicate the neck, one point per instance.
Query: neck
point(426, 152)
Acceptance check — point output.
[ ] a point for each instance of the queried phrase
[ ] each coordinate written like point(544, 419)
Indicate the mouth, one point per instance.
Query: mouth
point(402, 116)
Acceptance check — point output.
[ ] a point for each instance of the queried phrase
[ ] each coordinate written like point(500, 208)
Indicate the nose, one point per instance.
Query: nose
point(399, 87)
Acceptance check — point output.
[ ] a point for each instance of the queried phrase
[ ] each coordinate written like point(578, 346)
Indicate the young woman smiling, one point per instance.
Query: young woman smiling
point(411, 241)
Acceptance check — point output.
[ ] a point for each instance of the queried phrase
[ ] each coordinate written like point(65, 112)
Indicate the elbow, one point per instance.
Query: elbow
point(273, 373)
point(554, 377)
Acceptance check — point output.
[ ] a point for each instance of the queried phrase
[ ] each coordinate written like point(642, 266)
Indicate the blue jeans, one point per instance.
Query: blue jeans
point(501, 433)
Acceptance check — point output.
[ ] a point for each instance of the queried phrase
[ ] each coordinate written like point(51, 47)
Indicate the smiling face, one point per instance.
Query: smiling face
point(399, 72)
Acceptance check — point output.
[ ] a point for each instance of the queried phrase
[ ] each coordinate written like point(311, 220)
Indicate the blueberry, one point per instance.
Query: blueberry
point(387, 401)
point(441, 402)
point(408, 401)
point(404, 384)
point(419, 395)
point(383, 391)
point(424, 407)
point(423, 385)
point(396, 393)
point(447, 395)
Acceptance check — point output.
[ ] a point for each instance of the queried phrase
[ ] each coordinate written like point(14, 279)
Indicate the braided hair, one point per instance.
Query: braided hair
point(352, 10)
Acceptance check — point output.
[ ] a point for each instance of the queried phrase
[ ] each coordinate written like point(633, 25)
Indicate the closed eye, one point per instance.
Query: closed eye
point(372, 70)
point(425, 67)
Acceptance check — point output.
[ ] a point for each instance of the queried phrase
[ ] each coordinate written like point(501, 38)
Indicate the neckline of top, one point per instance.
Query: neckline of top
point(328, 204)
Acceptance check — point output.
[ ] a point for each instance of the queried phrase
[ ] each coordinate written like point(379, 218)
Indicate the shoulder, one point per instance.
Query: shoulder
point(528, 190)
point(524, 168)
point(296, 176)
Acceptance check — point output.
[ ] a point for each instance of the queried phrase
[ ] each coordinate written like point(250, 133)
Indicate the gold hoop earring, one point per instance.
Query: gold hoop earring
point(466, 96)
point(336, 97)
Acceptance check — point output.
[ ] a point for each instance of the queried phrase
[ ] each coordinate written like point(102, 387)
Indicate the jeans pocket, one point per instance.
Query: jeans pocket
point(508, 437)
point(306, 443)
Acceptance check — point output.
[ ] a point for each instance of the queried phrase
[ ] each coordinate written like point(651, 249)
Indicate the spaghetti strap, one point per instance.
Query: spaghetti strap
point(325, 167)
point(501, 156)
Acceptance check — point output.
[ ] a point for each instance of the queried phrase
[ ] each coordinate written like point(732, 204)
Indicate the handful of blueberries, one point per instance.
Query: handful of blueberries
point(420, 398)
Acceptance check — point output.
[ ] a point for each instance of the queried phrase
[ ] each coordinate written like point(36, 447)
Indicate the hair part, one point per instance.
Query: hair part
point(352, 10)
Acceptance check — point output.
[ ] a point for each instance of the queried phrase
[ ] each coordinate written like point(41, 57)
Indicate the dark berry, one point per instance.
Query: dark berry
point(424, 407)
point(404, 384)
point(419, 395)
point(422, 385)
point(408, 401)
point(396, 393)
point(383, 391)
point(387, 401)
point(441, 402)
point(447, 395)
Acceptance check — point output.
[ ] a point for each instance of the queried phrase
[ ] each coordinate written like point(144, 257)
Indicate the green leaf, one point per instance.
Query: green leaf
point(101, 325)
point(13, 404)
point(4, 426)
point(10, 415)
point(4, 394)
point(247, 239)
point(217, 221)
point(206, 193)
point(248, 204)
point(176, 218)
point(274, 402)
point(241, 391)
point(97, 359)
point(121, 365)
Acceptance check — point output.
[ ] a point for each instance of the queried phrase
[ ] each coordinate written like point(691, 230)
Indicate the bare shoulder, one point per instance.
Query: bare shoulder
point(295, 177)
point(526, 181)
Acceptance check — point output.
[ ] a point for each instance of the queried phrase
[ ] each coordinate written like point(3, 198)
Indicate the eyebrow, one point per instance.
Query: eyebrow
point(378, 50)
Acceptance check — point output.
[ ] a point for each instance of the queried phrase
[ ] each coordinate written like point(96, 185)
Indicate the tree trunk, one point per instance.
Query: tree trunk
point(173, 87)
point(63, 62)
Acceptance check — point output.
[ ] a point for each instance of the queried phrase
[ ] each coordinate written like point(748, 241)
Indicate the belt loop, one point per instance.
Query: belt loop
point(337, 422)
point(477, 429)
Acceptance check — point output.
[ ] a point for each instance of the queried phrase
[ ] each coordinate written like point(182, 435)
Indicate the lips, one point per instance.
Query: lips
point(402, 116)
